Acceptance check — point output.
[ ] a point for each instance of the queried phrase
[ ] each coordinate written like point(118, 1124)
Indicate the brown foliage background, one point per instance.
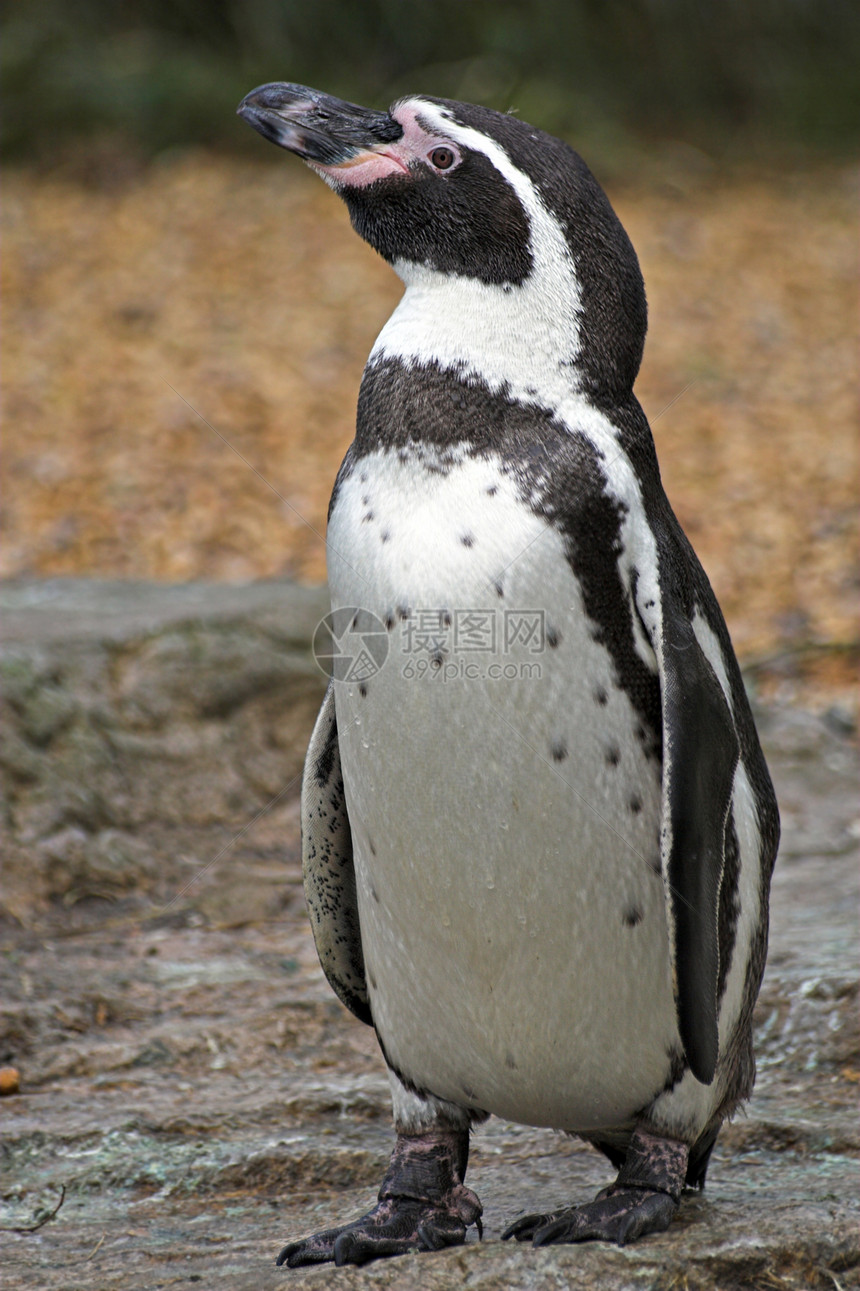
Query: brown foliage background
point(161, 329)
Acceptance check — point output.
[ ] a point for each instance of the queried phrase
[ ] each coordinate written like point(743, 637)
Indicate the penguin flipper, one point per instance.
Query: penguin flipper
point(700, 755)
point(327, 866)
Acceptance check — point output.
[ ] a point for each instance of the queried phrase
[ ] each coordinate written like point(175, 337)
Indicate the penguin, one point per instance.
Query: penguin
point(538, 834)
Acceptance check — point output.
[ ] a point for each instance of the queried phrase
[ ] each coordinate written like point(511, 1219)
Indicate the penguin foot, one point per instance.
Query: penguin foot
point(617, 1215)
point(423, 1206)
point(644, 1199)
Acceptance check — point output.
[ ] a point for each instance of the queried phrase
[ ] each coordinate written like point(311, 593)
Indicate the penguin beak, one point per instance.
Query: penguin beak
point(322, 130)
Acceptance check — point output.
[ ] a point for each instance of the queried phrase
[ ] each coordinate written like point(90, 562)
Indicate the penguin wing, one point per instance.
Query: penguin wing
point(327, 868)
point(700, 755)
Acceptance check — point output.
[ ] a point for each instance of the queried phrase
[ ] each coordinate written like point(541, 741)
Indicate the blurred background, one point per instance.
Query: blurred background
point(744, 74)
point(165, 268)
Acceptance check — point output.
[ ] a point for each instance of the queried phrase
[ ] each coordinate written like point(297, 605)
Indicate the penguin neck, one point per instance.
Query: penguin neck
point(522, 339)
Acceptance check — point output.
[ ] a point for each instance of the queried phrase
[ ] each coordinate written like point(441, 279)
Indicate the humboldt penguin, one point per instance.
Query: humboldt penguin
point(538, 828)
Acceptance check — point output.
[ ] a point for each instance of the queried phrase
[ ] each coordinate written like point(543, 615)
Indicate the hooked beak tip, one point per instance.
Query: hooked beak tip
point(320, 129)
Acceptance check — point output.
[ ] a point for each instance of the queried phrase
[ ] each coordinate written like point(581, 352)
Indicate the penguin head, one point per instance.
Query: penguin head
point(452, 190)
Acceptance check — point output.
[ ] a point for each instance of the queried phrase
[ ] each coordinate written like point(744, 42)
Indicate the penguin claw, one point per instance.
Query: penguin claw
point(391, 1228)
point(620, 1215)
point(524, 1228)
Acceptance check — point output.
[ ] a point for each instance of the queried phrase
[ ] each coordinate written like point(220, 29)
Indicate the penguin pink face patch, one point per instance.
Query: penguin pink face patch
point(416, 146)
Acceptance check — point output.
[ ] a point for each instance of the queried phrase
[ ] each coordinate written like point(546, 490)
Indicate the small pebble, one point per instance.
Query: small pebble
point(10, 1080)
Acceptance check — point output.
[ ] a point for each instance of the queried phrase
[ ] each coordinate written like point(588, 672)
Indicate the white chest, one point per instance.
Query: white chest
point(504, 813)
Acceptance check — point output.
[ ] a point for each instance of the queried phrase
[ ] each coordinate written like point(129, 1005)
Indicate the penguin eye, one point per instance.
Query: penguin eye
point(442, 158)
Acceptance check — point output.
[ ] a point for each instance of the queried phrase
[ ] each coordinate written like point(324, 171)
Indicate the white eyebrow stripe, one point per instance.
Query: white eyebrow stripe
point(525, 336)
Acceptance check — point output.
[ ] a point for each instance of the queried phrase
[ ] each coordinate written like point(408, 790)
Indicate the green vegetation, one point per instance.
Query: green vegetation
point(776, 77)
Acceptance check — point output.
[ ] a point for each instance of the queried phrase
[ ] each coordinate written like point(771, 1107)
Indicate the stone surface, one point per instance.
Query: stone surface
point(188, 1077)
point(140, 722)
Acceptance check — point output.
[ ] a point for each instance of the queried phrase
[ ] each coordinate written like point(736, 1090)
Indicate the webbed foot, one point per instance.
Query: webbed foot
point(423, 1205)
point(643, 1199)
point(616, 1216)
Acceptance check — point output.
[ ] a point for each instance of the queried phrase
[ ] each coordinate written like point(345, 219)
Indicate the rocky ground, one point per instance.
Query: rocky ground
point(192, 1095)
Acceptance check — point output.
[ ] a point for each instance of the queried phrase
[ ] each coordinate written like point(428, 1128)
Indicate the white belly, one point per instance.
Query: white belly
point(505, 816)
